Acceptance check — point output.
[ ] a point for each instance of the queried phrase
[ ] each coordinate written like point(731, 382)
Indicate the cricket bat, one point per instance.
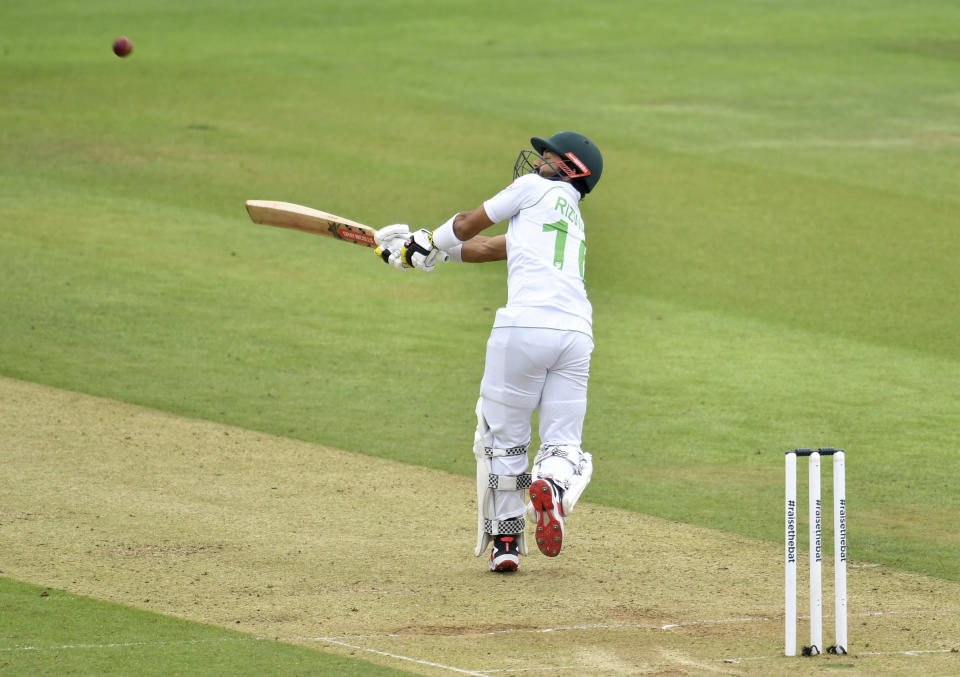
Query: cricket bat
point(308, 220)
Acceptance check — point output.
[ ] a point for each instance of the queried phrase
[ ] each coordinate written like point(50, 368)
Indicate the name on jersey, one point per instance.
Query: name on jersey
point(568, 211)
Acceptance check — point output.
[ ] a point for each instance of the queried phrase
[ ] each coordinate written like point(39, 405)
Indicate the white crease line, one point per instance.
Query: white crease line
point(749, 619)
point(905, 652)
point(606, 626)
point(564, 628)
point(619, 626)
point(330, 640)
point(744, 658)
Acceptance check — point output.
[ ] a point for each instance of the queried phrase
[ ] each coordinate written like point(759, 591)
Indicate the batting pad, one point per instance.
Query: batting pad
point(488, 483)
point(578, 466)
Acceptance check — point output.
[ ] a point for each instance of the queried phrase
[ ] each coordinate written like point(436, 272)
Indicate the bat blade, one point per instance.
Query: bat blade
point(309, 220)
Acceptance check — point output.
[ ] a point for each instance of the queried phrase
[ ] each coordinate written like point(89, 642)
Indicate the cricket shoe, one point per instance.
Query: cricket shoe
point(548, 511)
point(504, 556)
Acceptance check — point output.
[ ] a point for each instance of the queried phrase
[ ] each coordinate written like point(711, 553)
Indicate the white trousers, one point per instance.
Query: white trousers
point(531, 369)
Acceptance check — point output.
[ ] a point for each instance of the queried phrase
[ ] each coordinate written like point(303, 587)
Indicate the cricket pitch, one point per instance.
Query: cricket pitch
point(357, 555)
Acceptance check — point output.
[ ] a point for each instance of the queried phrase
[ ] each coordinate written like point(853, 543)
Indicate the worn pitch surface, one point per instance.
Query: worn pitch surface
point(352, 554)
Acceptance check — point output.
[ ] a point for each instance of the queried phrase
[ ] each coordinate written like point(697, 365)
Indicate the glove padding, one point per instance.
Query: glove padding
point(390, 241)
point(419, 252)
point(390, 235)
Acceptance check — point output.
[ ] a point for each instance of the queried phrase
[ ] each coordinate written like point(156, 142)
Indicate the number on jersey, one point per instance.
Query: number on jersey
point(560, 245)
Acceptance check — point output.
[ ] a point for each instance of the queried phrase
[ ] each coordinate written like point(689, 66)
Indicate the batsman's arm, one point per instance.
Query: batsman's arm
point(468, 224)
point(481, 249)
point(462, 232)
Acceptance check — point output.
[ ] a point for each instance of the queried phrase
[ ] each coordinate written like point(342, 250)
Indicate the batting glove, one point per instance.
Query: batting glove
point(388, 236)
point(419, 251)
point(390, 241)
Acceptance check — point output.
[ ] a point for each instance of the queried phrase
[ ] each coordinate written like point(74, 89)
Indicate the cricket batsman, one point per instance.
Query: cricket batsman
point(538, 353)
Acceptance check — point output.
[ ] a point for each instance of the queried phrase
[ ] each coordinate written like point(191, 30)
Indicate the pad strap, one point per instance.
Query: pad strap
point(509, 482)
point(556, 450)
point(574, 455)
point(490, 452)
point(572, 484)
point(512, 526)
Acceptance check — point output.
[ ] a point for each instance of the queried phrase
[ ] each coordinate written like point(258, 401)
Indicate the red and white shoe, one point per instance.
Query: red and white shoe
point(548, 511)
point(504, 556)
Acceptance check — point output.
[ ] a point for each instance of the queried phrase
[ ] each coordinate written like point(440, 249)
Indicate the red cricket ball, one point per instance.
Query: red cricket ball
point(122, 46)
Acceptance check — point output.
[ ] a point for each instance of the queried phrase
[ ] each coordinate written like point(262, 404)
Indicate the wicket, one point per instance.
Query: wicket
point(816, 551)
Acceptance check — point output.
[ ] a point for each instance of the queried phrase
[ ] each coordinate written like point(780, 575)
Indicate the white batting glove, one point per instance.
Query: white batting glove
point(390, 235)
point(419, 251)
point(390, 241)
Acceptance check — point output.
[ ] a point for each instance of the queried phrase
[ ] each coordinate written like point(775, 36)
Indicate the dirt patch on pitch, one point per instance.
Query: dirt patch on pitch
point(363, 556)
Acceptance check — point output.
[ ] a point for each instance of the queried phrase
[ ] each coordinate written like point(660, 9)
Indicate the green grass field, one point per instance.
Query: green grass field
point(772, 254)
point(80, 636)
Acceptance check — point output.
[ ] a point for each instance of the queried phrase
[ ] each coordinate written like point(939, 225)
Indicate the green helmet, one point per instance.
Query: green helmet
point(583, 162)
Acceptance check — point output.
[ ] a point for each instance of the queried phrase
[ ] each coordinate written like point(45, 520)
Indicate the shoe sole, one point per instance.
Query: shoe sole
point(549, 531)
point(505, 564)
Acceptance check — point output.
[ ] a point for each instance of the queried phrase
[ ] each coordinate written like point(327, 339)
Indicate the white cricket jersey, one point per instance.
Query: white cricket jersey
point(546, 250)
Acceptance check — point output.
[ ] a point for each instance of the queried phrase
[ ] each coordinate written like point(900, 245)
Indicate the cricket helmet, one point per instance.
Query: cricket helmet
point(582, 161)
